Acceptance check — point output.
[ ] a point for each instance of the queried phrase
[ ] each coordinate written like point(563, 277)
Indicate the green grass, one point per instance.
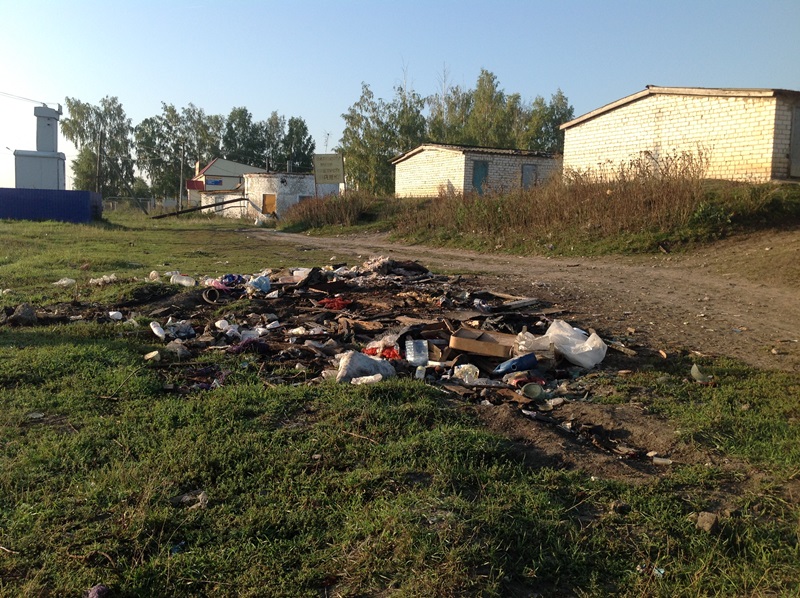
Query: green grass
point(129, 245)
point(338, 490)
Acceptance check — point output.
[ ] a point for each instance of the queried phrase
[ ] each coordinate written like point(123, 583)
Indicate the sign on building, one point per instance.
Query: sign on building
point(328, 169)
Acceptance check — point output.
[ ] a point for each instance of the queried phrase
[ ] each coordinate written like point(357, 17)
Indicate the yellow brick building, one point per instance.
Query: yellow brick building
point(436, 168)
point(742, 134)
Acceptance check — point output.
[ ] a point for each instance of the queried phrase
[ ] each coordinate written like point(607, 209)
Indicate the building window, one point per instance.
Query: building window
point(480, 172)
point(530, 175)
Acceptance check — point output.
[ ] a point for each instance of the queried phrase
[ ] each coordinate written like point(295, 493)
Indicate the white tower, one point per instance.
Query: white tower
point(46, 167)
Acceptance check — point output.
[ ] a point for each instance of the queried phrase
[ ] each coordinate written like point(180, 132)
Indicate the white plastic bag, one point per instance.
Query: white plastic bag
point(356, 365)
point(578, 348)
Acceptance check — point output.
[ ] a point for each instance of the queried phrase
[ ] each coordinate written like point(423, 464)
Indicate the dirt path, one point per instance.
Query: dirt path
point(738, 297)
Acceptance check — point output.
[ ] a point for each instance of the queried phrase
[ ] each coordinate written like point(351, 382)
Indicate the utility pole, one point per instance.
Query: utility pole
point(98, 168)
point(180, 187)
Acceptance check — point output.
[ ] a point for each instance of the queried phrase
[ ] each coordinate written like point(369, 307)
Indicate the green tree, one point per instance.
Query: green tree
point(243, 140)
point(103, 130)
point(448, 115)
point(487, 123)
point(274, 136)
point(298, 146)
point(559, 111)
point(406, 120)
point(203, 134)
point(161, 151)
point(366, 145)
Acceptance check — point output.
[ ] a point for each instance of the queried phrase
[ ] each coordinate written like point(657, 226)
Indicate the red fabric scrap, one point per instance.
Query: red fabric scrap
point(387, 353)
point(335, 303)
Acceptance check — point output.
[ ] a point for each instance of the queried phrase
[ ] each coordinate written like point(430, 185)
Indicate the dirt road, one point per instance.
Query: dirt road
point(739, 297)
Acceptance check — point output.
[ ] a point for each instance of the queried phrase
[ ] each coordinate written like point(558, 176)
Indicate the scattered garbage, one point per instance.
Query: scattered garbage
point(365, 324)
point(576, 346)
point(700, 376)
point(195, 499)
point(104, 280)
point(181, 279)
point(64, 282)
point(158, 330)
point(354, 364)
point(652, 570)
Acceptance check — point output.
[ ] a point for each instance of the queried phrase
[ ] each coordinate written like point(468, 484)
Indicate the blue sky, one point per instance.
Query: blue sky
point(309, 58)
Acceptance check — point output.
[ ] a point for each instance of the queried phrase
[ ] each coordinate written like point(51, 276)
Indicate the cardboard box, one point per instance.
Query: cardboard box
point(483, 342)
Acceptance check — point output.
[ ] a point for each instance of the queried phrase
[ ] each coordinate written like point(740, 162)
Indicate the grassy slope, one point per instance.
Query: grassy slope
point(356, 491)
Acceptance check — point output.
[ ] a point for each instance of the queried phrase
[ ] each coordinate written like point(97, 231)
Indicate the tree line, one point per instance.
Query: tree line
point(161, 148)
point(376, 130)
point(164, 148)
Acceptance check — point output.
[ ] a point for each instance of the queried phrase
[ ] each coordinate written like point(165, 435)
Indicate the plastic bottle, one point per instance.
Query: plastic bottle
point(417, 352)
point(517, 364)
point(158, 330)
point(186, 281)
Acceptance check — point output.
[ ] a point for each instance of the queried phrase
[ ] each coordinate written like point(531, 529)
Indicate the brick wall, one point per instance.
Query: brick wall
point(505, 170)
point(434, 170)
point(743, 138)
point(425, 173)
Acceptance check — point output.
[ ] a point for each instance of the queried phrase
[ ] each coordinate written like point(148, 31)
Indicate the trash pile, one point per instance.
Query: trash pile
point(364, 324)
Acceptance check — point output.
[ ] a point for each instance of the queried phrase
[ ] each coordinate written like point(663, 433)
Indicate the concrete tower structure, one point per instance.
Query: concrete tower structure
point(46, 167)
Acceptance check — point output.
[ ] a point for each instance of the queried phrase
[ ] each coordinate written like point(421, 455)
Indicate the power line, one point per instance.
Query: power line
point(16, 97)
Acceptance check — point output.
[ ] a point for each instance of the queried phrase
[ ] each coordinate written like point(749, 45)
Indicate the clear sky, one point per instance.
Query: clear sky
point(309, 58)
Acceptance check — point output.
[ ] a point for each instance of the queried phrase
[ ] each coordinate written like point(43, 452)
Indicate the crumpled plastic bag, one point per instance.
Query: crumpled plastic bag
point(575, 345)
point(354, 364)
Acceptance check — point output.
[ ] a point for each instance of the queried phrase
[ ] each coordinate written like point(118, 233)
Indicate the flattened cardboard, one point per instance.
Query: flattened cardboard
point(483, 342)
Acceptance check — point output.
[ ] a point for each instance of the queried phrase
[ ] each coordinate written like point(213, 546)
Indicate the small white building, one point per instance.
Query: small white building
point(741, 134)
point(44, 168)
point(263, 194)
point(434, 168)
point(218, 175)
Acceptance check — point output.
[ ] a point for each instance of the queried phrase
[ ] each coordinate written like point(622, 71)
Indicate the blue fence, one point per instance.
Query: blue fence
point(50, 204)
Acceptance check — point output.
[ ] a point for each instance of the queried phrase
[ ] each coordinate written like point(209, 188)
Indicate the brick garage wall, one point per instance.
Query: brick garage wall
point(784, 112)
point(505, 170)
point(735, 134)
point(423, 174)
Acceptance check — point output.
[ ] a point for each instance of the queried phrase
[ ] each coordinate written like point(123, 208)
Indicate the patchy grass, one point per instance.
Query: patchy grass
point(129, 245)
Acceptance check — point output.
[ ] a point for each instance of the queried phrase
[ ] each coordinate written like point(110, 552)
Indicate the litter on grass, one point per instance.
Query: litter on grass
point(361, 325)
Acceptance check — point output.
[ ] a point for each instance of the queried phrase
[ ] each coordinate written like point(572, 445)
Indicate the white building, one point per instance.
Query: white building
point(44, 168)
point(218, 175)
point(263, 194)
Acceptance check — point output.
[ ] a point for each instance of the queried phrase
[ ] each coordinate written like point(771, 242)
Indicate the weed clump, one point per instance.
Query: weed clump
point(334, 210)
